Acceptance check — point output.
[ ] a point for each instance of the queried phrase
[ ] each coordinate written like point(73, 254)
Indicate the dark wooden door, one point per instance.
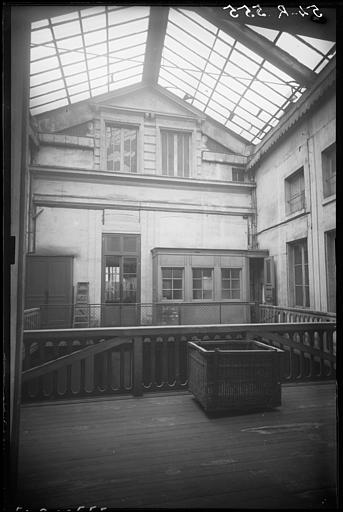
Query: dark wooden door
point(49, 286)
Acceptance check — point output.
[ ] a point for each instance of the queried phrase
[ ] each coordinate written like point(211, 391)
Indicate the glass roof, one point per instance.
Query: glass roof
point(86, 53)
point(96, 50)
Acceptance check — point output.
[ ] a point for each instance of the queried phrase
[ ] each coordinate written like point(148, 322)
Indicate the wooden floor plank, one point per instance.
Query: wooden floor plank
point(163, 451)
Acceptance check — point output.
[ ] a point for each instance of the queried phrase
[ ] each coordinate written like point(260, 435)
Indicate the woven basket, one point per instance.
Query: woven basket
point(234, 374)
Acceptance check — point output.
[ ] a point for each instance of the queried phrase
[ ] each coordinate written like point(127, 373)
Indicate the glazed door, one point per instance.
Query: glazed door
point(120, 290)
point(49, 287)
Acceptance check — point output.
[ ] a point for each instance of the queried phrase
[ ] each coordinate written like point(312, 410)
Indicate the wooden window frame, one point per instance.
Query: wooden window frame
point(122, 151)
point(177, 173)
point(328, 164)
point(172, 289)
point(202, 299)
point(290, 199)
point(301, 244)
point(230, 279)
point(120, 119)
point(236, 172)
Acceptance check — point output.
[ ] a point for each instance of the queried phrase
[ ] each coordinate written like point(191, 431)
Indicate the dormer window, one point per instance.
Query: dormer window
point(176, 153)
point(121, 148)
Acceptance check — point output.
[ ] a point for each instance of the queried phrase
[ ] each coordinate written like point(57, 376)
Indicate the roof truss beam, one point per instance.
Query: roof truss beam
point(255, 42)
point(156, 34)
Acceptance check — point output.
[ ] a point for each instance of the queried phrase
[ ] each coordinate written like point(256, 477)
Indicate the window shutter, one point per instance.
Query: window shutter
point(269, 280)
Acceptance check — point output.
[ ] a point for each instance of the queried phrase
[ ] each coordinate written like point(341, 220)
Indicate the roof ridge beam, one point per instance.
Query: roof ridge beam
point(260, 45)
point(154, 46)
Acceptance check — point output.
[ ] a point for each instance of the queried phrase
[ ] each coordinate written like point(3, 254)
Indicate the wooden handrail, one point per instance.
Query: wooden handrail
point(96, 361)
point(86, 333)
point(62, 361)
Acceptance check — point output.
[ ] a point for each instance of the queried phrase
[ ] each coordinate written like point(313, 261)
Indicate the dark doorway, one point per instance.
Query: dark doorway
point(120, 280)
point(49, 286)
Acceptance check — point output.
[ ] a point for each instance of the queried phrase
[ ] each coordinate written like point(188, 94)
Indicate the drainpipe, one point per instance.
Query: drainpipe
point(314, 225)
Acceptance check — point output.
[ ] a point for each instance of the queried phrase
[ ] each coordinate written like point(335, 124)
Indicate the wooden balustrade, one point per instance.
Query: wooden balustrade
point(96, 362)
point(32, 318)
point(267, 313)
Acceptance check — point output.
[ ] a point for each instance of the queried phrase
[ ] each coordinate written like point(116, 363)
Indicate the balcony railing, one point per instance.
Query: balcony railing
point(70, 363)
point(32, 318)
point(135, 314)
point(266, 313)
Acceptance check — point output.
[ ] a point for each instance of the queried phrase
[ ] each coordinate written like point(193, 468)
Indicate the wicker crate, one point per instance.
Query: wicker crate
point(234, 374)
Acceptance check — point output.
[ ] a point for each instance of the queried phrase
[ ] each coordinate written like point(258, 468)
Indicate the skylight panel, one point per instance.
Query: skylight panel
point(70, 43)
point(225, 91)
point(265, 32)
point(41, 36)
point(52, 96)
point(72, 80)
point(124, 15)
point(303, 53)
point(198, 19)
point(196, 29)
point(46, 88)
point(127, 73)
point(260, 101)
point(96, 62)
point(223, 100)
point(121, 65)
point(252, 55)
point(274, 83)
point(253, 120)
point(95, 37)
point(249, 107)
point(126, 82)
point(319, 44)
point(215, 115)
point(127, 53)
point(67, 29)
point(64, 18)
point(277, 72)
point(321, 66)
point(39, 24)
point(97, 72)
point(74, 69)
point(234, 84)
point(127, 42)
point(189, 41)
point(71, 58)
point(40, 52)
point(266, 92)
point(76, 89)
point(80, 97)
point(46, 64)
point(91, 11)
point(45, 77)
point(49, 106)
point(226, 38)
point(128, 28)
point(93, 22)
point(244, 62)
point(222, 48)
point(185, 52)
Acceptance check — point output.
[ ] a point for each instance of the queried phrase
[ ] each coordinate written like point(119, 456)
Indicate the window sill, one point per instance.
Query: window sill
point(298, 213)
point(329, 199)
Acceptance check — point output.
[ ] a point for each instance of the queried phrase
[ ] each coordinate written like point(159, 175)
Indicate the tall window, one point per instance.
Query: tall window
point(120, 279)
point(330, 253)
point(172, 283)
point(237, 174)
point(295, 192)
point(176, 153)
point(231, 283)
point(329, 170)
point(121, 148)
point(202, 283)
point(298, 268)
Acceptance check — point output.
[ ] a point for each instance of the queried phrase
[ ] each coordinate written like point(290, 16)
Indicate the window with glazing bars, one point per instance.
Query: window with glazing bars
point(121, 148)
point(329, 170)
point(295, 192)
point(202, 283)
point(231, 283)
point(172, 283)
point(176, 153)
point(237, 174)
point(298, 265)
